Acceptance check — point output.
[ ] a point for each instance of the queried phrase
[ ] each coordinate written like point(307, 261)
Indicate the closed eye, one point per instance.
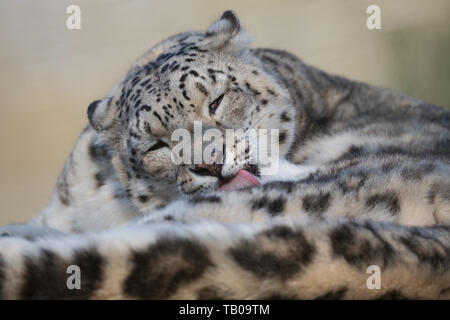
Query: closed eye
point(215, 104)
point(158, 145)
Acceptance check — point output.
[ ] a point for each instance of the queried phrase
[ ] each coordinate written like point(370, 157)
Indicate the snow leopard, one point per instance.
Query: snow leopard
point(363, 184)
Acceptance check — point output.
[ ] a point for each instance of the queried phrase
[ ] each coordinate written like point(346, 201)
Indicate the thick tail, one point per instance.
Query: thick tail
point(283, 259)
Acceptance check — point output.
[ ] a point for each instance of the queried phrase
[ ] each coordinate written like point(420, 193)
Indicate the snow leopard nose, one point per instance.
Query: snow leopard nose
point(213, 169)
point(204, 169)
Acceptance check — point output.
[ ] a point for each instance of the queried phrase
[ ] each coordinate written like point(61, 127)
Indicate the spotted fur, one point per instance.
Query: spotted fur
point(364, 180)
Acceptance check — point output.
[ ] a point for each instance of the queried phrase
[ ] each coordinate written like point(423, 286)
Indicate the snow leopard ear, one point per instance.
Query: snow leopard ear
point(101, 114)
point(227, 34)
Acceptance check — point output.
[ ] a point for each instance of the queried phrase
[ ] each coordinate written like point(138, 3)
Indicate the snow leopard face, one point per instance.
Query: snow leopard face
point(191, 78)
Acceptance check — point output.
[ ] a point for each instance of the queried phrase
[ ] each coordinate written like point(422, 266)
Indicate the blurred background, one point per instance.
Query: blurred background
point(50, 74)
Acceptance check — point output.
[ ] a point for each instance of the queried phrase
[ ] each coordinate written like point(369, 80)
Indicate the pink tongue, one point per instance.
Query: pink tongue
point(241, 180)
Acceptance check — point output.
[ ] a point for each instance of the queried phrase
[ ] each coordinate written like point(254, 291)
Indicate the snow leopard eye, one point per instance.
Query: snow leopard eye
point(158, 145)
point(215, 104)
